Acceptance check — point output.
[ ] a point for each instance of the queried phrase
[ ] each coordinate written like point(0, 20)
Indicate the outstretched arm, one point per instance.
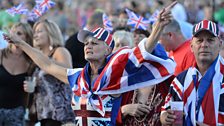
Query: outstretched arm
point(163, 19)
point(40, 59)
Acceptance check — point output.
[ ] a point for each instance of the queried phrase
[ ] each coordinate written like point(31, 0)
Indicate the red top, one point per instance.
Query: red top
point(183, 56)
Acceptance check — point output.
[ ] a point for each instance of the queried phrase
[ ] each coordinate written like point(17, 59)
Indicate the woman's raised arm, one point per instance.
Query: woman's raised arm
point(163, 19)
point(40, 59)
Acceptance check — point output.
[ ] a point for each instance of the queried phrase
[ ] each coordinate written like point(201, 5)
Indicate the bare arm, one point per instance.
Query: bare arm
point(56, 69)
point(164, 18)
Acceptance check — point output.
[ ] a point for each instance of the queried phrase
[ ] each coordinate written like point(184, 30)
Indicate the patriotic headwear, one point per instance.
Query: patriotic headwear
point(206, 25)
point(98, 33)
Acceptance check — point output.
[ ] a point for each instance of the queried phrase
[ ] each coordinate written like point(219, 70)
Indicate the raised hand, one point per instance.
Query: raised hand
point(165, 15)
point(13, 38)
point(164, 18)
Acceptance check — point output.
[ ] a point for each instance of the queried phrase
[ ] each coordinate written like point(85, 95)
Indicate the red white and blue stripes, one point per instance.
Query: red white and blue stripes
point(127, 69)
point(103, 35)
point(203, 96)
point(136, 21)
point(206, 25)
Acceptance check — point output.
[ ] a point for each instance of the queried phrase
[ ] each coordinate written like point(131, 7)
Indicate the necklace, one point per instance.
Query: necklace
point(150, 104)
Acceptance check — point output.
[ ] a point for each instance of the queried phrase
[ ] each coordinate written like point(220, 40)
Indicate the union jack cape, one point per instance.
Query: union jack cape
point(126, 70)
point(203, 96)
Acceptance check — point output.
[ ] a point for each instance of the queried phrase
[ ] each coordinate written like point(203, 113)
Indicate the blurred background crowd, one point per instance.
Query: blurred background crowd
point(71, 15)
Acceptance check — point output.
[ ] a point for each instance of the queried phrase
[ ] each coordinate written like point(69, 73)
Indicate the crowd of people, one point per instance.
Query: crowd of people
point(84, 74)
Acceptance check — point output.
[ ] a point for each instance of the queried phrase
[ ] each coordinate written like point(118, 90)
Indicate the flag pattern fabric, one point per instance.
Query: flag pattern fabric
point(136, 21)
point(126, 70)
point(107, 23)
point(104, 35)
point(203, 96)
point(41, 7)
point(35, 13)
point(207, 25)
point(153, 18)
point(19, 9)
point(45, 5)
point(87, 116)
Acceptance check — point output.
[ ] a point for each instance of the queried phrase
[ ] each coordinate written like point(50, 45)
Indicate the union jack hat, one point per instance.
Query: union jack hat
point(98, 33)
point(206, 25)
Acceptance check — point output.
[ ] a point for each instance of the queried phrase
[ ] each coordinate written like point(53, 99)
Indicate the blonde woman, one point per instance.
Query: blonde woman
point(52, 97)
point(14, 67)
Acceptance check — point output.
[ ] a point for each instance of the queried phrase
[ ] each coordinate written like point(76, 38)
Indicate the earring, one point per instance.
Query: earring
point(50, 47)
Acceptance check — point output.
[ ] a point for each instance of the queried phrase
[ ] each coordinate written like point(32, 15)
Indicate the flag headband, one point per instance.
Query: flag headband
point(98, 33)
point(207, 26)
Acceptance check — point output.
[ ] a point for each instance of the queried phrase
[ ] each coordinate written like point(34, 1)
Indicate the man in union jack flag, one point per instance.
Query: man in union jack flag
point(201, 87)
point(98, 86)
point(19, 9)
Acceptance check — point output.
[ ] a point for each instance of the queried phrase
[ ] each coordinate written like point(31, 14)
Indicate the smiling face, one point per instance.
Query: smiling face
point(205, 47)
point(95, 50)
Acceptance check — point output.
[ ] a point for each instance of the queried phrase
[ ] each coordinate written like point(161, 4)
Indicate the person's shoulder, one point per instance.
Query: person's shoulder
point(61, 51)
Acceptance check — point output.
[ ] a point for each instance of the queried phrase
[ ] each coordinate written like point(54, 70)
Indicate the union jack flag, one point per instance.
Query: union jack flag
point(35, 13)
point(45, 5)
point(136, 21)
point(107, 23)
point(203, 96)
point(127, 69)
point(20, 9)
point(153, 17)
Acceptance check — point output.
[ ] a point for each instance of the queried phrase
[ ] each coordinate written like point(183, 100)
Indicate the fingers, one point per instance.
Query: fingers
point(144, 108)
point(25, 86)
point(7, 38)
point(169, 117)
point(139, 113)
point(171, 6)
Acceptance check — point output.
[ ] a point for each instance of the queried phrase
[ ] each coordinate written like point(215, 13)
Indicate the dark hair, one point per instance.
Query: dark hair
point(141, 31)
point(125, 28)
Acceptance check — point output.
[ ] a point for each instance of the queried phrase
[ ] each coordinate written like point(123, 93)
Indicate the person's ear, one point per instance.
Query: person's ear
point(170, 34)
point(108, 51)
point(192, 45)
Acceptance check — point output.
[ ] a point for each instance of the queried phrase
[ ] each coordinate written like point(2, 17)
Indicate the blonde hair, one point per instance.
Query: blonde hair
point(124, 36)
point(54, 32)
point(28, 33)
